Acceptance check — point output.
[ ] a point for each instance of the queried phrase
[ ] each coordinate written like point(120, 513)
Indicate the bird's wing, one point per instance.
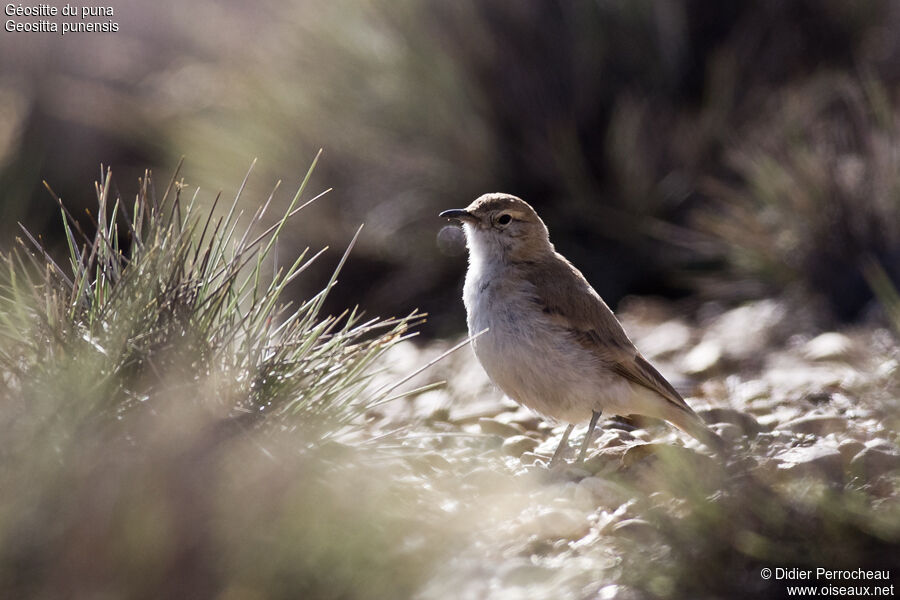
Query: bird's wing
point(643, 373)
point(572, 303)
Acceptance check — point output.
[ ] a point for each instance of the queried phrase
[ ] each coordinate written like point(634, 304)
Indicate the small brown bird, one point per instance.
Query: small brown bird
point(550, 342)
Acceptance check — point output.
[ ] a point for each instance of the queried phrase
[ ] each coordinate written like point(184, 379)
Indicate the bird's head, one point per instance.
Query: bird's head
point(502, 226)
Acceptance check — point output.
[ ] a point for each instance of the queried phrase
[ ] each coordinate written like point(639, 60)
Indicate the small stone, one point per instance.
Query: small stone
point(561, 524)
point(828, 346)
point(745, 392)
point(638, 452)
point(545, 427)
point(665, 339)
point(748, 331)
point(437, 461)
point(493, 426)
point(472, 411)
point(849, 449)
point(887, 369)
point(531, 459)
point(607, 493)
point(611, 438)
point(440, 414)
point(521, 417)
point(618, 592)
point(518, 445)
point(642, 435)
point(871, 463)
point(880, 444)
point(770, 438)
point(747, 423)
point(703, 358)
point(728, 431)
point(779, 416)
point(819, 462)
point(816, 424)
point(549, 445)
point(605, 460)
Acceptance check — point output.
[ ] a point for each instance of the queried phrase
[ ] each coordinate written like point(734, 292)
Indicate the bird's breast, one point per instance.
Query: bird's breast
point(526, 354)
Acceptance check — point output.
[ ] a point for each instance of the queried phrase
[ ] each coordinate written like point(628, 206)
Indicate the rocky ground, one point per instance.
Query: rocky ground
point(814, 477)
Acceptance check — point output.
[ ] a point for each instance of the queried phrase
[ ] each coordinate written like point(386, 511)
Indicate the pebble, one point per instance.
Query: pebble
point(561, 524)
point(665, 339)
point(639, 452)
point(521, 417)
point(849, 449)
point(881, 444)
point(873, 462)
point(641, 434)
point(748, 331)
point(728, 431)
point(747, 423)
point(471, 412)
point(605, 461)
point(812, 461)
point(744, 392)
point(615, 437)
point(493, 426)
point(778, 416)
point(437, 461)
point(530, 459)
point(518, 445)
point(887, 369)
point(702, 359)
point(618, 592)
point(816, 424)
point(831, 346)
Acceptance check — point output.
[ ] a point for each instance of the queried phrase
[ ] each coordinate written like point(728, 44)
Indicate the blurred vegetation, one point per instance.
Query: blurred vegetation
point(742, 146)
point(740, 520)
point(817, 195)
point(173, 428)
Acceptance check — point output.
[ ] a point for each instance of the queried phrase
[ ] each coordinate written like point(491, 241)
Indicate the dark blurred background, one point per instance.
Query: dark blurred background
point(687, 148)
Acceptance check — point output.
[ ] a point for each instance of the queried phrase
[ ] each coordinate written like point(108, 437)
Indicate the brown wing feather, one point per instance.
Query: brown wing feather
point(643, 373)
point(574, 304)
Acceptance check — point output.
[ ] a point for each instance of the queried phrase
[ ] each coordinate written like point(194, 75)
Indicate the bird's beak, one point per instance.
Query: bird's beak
point(457, 213)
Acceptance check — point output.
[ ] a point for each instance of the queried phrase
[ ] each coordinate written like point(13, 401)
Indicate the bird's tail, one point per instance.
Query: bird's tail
point(690, 422)
point(652, 403)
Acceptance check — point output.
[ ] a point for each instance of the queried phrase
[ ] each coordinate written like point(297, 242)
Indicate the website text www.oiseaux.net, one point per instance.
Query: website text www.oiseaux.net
point(830, 582)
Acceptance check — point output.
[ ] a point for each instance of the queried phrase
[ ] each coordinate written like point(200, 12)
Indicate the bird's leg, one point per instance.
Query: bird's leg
point(589, 436)
point(562, 444)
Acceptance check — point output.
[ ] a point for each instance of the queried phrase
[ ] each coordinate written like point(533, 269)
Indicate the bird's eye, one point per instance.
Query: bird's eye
point(504, 219)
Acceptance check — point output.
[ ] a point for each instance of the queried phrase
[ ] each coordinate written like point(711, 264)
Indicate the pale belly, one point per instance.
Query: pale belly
point(537, 363)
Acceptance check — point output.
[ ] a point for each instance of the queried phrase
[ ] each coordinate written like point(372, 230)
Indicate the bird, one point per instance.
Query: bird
point(546, 338)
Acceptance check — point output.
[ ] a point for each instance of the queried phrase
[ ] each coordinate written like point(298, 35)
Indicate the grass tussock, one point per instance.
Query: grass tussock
point(173, 428)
